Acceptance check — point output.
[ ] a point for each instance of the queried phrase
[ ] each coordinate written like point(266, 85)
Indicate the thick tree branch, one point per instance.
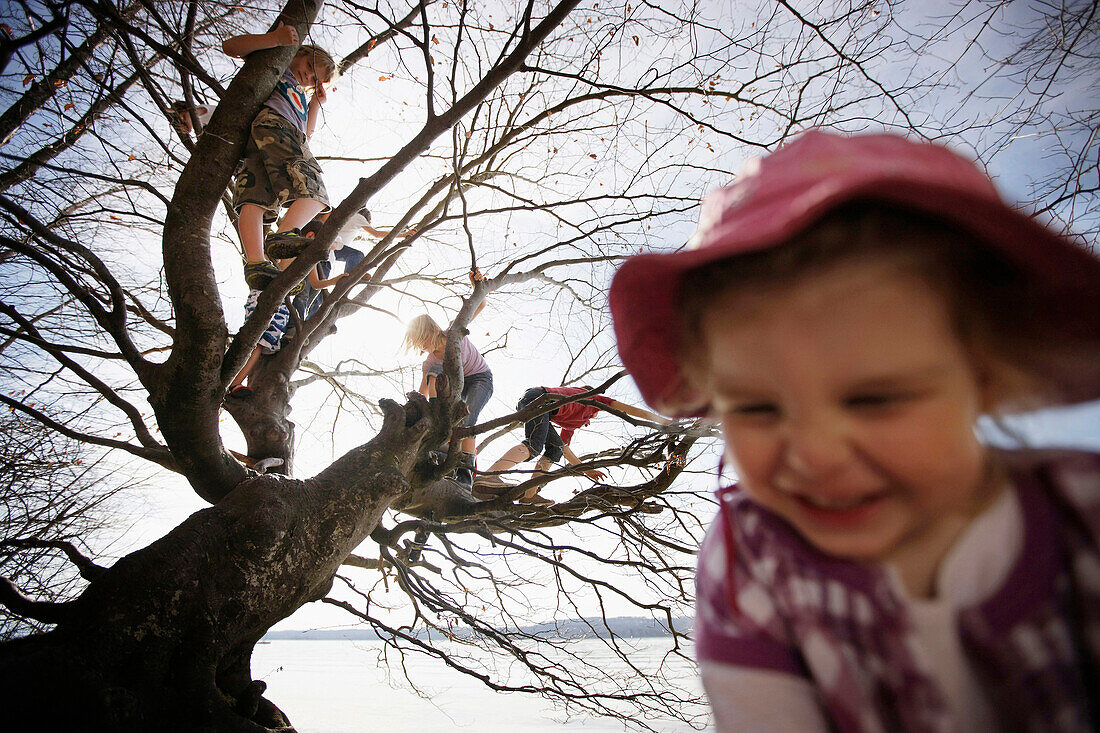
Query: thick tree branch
point(88, 569)
point(44, 611)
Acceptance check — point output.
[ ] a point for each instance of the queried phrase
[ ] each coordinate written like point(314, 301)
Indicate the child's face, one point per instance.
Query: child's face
point(848, 407)
point(302, 66)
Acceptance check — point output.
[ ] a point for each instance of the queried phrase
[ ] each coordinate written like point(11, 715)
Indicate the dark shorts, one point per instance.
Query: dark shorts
point(277, 167)
point(540, 437)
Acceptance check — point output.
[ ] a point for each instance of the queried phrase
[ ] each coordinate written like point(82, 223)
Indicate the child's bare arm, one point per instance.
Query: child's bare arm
point(317, 283)
point(477, 276)
point(640, 413)
point(242, 45)
point(320, 96)
point(379, 233)
point(594, 473)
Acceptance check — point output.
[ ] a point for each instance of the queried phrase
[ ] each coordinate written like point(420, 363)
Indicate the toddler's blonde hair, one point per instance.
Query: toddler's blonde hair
point(424, 334)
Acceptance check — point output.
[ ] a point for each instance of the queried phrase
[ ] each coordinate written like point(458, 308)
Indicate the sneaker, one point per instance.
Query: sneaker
point(490, 487)
point(259, 275)
point(537, 500)
point(492, 481)
point(285, 245)
point(464, 477)
point(240, 392)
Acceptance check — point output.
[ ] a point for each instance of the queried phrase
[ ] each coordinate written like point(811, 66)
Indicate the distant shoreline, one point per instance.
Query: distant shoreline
point(627, 627)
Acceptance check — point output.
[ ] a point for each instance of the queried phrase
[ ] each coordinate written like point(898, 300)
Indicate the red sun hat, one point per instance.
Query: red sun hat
point(778, 196)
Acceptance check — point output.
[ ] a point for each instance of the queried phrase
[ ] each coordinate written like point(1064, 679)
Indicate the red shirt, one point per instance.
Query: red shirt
point(574, 415)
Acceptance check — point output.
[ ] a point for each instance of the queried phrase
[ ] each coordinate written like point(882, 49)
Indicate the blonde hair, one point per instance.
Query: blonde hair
point(424, 334)
point(324, 67)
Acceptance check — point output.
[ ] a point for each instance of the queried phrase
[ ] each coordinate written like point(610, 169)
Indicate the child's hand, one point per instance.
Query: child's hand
point(476, 276)
point(284, 35)
point(407, 233)
point(320, 96)
point(595, 474)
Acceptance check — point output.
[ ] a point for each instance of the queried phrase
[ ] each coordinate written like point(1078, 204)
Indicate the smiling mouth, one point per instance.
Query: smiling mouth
point(837, 503)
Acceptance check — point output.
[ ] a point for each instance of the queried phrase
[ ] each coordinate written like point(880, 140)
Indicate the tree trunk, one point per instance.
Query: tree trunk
point(263, 416)
point(163, 639)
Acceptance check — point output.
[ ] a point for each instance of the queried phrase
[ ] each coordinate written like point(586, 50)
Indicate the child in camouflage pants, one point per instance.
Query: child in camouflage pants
point(278, 169)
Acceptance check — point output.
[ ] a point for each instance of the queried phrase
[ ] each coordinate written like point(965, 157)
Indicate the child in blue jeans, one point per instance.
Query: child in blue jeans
point(425, 335)
point(851, 306)
point(309, 300)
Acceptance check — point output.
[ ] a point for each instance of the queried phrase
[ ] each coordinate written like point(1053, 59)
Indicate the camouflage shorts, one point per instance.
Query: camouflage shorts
point(277, 167)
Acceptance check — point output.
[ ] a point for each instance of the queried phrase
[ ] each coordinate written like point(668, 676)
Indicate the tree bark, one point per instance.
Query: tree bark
point(263, 416)
point(162, 640)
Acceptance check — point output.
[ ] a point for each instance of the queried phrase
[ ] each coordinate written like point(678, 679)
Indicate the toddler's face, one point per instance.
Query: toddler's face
point(848, 408)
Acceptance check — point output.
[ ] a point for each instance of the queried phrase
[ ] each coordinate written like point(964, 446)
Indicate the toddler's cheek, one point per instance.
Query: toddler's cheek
point(748, 453)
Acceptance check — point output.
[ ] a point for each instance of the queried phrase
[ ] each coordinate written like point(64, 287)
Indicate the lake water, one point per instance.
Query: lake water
point(342, 687)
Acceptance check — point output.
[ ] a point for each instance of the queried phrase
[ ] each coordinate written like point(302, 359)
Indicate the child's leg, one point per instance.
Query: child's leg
point(300, 213)
point(554, 450)
point(514, 456)
point(534, 432)
point(350, 256)
point(250, 227)
point(242, 375)
point(253, 194)
point(543, 465)
point(269, 340)
point(476, 391)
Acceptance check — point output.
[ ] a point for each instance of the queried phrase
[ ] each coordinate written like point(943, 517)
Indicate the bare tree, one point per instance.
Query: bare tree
point(540, 142)
point(53, 493)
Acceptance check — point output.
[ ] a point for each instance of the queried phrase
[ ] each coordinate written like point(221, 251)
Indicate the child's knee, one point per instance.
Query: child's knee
point(530, 451)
